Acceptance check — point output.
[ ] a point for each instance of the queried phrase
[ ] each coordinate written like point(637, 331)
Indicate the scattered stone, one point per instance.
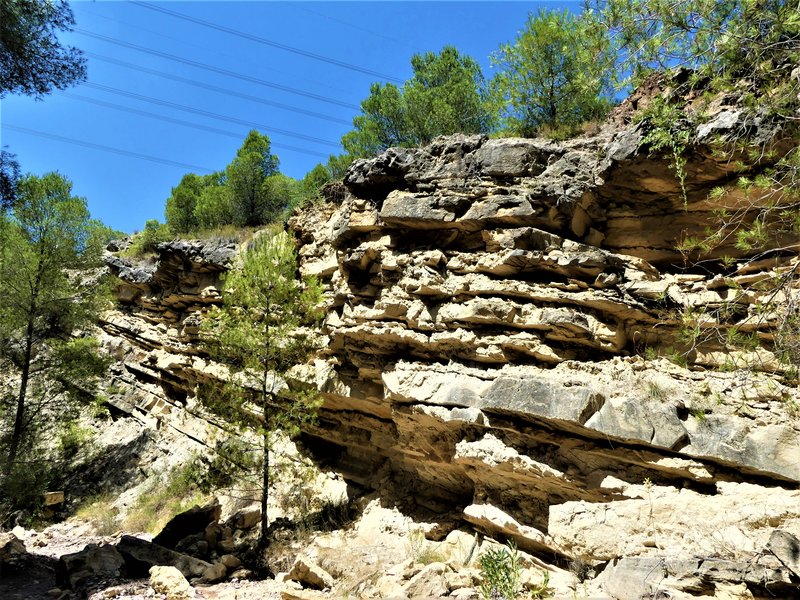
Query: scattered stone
point(171, 582)
point(308, 573)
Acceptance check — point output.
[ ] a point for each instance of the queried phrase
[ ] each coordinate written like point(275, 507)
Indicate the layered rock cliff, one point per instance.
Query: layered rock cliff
point(506, 351)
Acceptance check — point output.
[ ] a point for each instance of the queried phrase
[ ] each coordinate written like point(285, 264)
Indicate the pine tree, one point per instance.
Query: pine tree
point(259, 333)
point(48, 242)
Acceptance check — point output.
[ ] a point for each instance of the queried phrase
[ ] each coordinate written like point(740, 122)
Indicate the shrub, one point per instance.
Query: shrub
point(146, 240)
point(501, 569)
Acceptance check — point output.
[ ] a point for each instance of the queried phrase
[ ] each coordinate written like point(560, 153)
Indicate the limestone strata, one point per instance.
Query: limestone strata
point(489, 313)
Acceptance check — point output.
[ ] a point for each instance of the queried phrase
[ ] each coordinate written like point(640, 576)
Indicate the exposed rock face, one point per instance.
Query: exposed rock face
point(489, 303)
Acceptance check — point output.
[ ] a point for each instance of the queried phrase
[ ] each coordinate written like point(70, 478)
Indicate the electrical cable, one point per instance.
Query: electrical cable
point(209, 114)
point(226, 72)
point(265, 41)
point(181, 122)
point(94, 146)
point(214, 88)
point(218, 52)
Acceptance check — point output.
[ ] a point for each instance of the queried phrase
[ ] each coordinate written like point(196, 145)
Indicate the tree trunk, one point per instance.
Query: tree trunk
point(263, 541)
point(19, 417)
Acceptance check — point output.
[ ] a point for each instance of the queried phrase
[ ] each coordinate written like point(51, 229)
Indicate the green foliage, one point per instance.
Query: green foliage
point(500, 570)
point(555, 75)
point(254, 201)
point(146, 240)
point(45, 241)
point(23, 486)
point(214, 207)
point(73, 437)
point(250, 192)
point(667, 129)
point(9, 179)
point(333, 170)
point(445, 95)
point(720, 39)
point(286, 193)
point(180, 207)
point(32, 60)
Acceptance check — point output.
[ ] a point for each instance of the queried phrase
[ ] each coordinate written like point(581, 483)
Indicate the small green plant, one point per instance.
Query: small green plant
point(421, 551)
point(501, 569)
point(72, 438)
point(676, 357)
point(656, 392)
point(650, 353)
point(668, 130)
point(146, 240)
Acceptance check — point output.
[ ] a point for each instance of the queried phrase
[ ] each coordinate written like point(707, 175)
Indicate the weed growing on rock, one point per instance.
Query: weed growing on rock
point(501, 570)
point(668, 130)
point(421, 551)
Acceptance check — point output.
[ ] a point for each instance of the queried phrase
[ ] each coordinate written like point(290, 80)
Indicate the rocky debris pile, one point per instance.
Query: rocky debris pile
point(194, 543)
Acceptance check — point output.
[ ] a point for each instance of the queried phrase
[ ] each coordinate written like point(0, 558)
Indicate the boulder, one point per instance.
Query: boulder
point(94, 560)
point(246, 518)
point(140, 555)
point(12, 551)
point(230, 561)
point(188, 523)
point(786, 547)
point(215, 572)
point(428, 583)
point(170, 582)
point(308, 573)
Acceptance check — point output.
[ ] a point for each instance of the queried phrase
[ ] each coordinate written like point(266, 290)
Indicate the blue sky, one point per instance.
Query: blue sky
point(304, 103)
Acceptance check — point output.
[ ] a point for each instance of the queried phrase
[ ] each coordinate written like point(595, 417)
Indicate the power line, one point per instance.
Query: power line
point(214, 88)
point(226, 72)
point(212, 115)
point(217, 52)
point(358, 27)
point(66, 140)
point(199, 126)
point(265, 41)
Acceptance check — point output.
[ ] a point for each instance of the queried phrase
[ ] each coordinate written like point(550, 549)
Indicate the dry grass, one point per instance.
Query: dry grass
point(100, 513)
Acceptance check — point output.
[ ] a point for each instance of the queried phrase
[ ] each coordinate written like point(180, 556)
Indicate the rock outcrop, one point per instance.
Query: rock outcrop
point(504, 350)
point(500, 323)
